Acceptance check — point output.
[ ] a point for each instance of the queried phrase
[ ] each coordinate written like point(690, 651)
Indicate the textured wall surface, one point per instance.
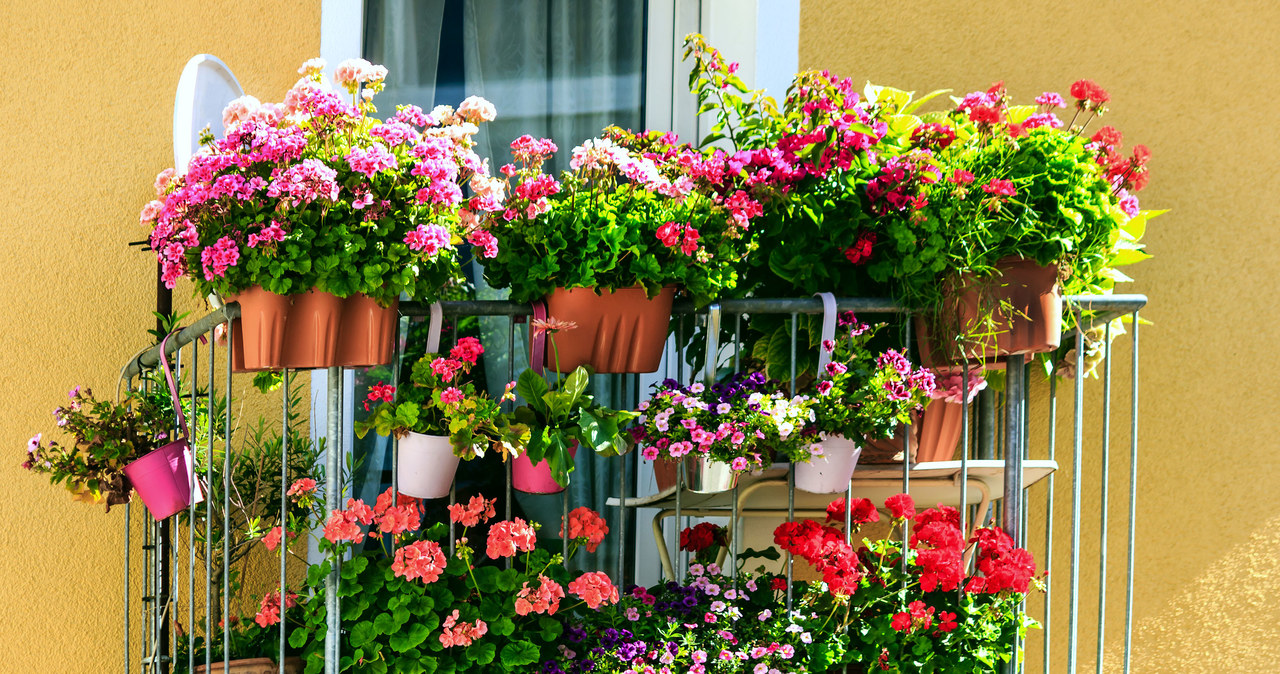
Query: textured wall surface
point(85, 125)
point(1194, 81)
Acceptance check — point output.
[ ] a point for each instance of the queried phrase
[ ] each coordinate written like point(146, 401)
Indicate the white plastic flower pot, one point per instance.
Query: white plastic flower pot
point(425, 465)
point(830, 472)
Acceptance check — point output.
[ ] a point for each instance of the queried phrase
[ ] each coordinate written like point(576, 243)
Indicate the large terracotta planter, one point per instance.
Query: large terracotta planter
point(257, 337)
point(253, 666)
point(829, 473)
point(368, 332)
point(935, 434)
point(311, 332)
point(1025, 304)
point(425, 465)
point(618, 331)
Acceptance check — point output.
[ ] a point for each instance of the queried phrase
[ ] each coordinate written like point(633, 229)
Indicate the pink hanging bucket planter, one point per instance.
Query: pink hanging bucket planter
point(535, 479)
point(164, 478)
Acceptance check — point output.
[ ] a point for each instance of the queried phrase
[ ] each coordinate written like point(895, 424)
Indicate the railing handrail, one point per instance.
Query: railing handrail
point(1112, 307)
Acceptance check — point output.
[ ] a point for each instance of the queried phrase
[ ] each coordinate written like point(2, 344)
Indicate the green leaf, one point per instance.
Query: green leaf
point(519, 654)
point(416, 634)
point(362, 633)
point(531, 386)
point(482, 652)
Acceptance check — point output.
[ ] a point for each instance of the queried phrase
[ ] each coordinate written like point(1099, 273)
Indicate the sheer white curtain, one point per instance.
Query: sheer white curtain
point(563, 69)
point(404, 36)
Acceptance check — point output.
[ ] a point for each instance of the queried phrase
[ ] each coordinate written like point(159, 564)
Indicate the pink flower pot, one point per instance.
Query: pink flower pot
point(535, 479)
point(829, 473)
point(425, 465)
point(163, 479)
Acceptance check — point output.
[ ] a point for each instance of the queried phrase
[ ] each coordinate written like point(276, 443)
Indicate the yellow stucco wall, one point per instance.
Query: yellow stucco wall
point(85, 124)
point(1193, 80)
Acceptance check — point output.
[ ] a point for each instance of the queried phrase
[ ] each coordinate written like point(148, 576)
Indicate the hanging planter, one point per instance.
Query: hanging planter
point(257, 337)
point(619, 331)
point(164, 478)
point(425, 465)
point(935, 435)
point(1024, 303)
point(368, 332)
point(703, 475)
point(532, 478)
point(830, 472)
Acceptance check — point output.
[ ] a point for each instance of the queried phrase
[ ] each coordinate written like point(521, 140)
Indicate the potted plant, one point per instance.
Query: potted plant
point(935, 429)
point(860, 394)
point(608, 244)
point(254, 644)
point(992, 212)
point(556, 419)
point(104, 438)
point(721, 431)
point(411, 606)
point(931, 613)
point(438, 417)
point(715, 621)
point(312, 200)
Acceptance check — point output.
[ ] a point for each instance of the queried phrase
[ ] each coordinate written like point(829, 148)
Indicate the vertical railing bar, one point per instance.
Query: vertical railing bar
point(144, 638)
point(1105, 501)
point(1048, 521)
point(284, 509)
point(128, 538)
point(511, 376)
point(191, 514)
point(453, 532)
point(1133, 497)
point(964, 458)
point(621, 391)
point(733, 514)
point(680, 482)
point(791, 472)
point(1011, 506)
point(226, 508)
point(208, 512)
point(906, 463)
point(1024, 417)
point(1076, 460)
point(564, 525)
point(333, 496)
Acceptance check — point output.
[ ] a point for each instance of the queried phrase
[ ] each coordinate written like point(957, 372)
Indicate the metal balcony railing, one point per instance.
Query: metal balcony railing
point(1001, 447)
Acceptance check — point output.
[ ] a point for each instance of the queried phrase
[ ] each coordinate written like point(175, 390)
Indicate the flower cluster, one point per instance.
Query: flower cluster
point(862, 393)
point(731, 422)
point(441, 399)
point(932, 610)
point(250, 206)
point(102, 438)
point(586, 527)
point(711, 623)
point(650, 211)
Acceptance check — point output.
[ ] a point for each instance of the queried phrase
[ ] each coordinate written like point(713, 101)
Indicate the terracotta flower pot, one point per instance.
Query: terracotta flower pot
point(1033, 325)
point(311, 333)
point(618, 331)
point(257, 337)
point(935, 434)
point(368, 332)
point(247, 666)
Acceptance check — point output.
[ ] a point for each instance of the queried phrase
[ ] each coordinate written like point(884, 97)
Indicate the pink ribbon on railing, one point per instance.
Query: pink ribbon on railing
point(829, 317)
point(173, 388)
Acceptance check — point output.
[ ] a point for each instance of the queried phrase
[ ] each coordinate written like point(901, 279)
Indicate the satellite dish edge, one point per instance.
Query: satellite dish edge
point(204, 89)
